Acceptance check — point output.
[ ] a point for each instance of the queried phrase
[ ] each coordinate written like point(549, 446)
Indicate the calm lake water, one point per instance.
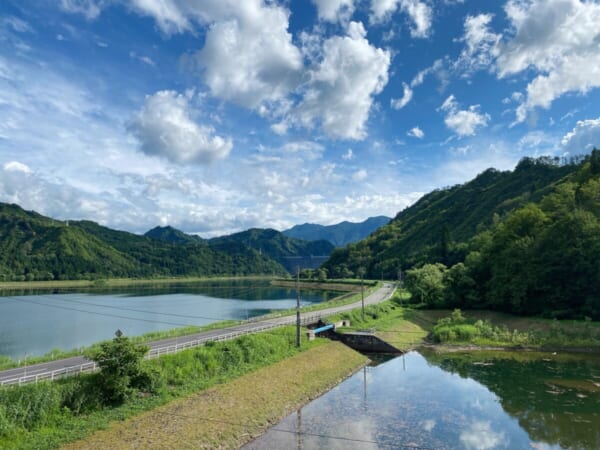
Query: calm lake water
point(473, 401)
point(35, 324)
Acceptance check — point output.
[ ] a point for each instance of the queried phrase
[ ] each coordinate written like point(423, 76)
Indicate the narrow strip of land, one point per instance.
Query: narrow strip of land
point(80, 363)
point(229, 415)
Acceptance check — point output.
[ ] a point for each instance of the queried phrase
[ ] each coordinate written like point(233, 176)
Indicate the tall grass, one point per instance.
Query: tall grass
point(44, 415)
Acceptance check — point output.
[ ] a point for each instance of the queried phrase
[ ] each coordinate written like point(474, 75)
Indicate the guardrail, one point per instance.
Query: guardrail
point(52, 374)
point(156, 352)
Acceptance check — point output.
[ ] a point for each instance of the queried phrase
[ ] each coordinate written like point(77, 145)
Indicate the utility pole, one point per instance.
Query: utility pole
point(297, 306)
point(400, 284)
point(362, 291)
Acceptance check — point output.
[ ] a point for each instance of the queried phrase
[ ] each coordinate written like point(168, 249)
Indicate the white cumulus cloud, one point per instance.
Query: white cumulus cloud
point(399, 103)
point(360, 175)
point(340, 93)
point(419, 12)
point(89, 8)
point(583, 138)
point(248, 56)
point(16, 166)
point(558, 39)
point(481, 44)
point(165, 127)
point(334, 10)
point(464, 122)
point(416, 132)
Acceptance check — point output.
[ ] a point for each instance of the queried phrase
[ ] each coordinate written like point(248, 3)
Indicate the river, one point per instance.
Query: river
point(37, 323)
point(478, 401)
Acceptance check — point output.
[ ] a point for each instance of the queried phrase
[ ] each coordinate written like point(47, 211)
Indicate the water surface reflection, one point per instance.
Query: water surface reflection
point(434, 401)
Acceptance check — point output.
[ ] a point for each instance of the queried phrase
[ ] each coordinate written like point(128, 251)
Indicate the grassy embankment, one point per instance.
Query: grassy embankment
point(344, 299)
point(112, 282)
point(229, 415)
point(406, 327)
point(242, 386)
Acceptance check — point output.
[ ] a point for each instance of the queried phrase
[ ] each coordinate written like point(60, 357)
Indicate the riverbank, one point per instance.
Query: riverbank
point(407, 328)
point(113, 282)
point(323, 285)
point(230, 415)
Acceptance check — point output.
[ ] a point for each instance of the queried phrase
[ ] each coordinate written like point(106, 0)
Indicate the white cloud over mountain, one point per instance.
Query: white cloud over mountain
point(165, 127)
point(122, 128)
point(584, 137)
point(464, 122)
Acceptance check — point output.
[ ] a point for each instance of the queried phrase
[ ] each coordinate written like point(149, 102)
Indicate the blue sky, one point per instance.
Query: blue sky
point(215, 116)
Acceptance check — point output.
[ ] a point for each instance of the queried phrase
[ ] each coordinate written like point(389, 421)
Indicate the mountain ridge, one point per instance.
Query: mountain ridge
point(438, 226)
point(340, 234)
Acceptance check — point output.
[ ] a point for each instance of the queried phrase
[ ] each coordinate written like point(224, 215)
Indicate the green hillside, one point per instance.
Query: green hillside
point(173, 235)
point(289, 252)
point(527, 242)
point(438, 226)
point(34, 247)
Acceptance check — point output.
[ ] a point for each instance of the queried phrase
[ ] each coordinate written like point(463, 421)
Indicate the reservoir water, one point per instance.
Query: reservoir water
point(475, 401)
point(37, 323)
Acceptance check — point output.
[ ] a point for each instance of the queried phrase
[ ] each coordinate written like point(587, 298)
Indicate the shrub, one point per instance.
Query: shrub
point(120, 368)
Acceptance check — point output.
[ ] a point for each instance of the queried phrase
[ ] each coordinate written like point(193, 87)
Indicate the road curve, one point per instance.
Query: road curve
point(76, 364)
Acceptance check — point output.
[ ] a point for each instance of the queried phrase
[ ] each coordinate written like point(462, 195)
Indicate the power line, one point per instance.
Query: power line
point(129, 318)
point(302, 433)
point(122, 308)
point(99, 313)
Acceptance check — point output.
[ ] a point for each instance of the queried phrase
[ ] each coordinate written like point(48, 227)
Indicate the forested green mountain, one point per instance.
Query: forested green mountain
point(341, 234)
point(438, 226)
point(535, 251)
point(34, 247)
point(289, 252)
point(173, 235)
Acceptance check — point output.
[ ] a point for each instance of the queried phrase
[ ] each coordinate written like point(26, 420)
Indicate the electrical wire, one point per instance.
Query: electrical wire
point(122, 308)
point(302, 433)
point(118, 316)
point(99, 313)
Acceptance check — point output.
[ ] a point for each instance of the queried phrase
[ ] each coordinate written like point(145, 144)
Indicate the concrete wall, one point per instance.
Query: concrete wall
point(365, 342)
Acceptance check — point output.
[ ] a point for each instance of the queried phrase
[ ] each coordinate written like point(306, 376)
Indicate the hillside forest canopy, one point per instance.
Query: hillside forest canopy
point(524, 242)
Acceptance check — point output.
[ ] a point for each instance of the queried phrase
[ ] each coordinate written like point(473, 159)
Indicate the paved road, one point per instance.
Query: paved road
point(77, 364)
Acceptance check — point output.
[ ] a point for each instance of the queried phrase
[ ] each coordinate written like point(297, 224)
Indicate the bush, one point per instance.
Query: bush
point(120, 369)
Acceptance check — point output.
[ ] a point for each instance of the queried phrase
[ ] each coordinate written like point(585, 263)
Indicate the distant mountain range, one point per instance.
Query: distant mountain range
point(290, 252)
point(339, 235)
point(34, 247)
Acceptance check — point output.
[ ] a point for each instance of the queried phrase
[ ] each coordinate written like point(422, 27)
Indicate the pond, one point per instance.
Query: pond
point(472, 400)
point(37, 323)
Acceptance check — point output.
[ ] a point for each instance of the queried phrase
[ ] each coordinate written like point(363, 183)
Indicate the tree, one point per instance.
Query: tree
point(322, 274)
point(427, 283)
point(120, 368)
